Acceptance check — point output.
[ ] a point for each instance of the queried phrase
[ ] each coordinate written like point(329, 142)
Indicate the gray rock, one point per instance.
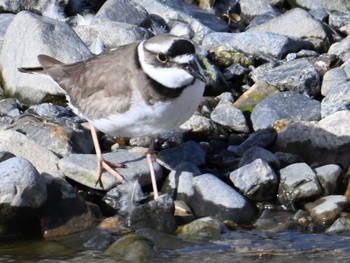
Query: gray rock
point(261, 138)
point(111, 34)
point(230, 117)
point(329, 177)
point(299, 23)
point(342, 224)
point(297, 182)
point(43, 35)
point(336, 89)
point(62, 138)
point(256, 180)
point(16, 6)
point(22, 186)
point(339, 20)
point(186, 152)
point(10, 107)
point(157, 214)
point(341, 48)
point(202, 229)
point(325, 142)
point(335, 5)
point(5, 20)
point(259, 153)
point(227, 205)
point(82, 168)
point(17, 143)
point(22, 197)
point(123, 198)
point(285, 105)
point(125, 11)
point(327, 209)
point(50, 111)
point(270, 44)
point(179, 182)
point(67, 211)
point(251, 8)
point(332, 79)
point(199, 126)
point(297, 75)
point(201, 22)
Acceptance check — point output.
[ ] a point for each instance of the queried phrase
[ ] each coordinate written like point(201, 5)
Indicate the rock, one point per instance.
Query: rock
point(299, 23)
point(22, 197)
point(340, 48)
point(82, 168)
point(270, 44)
point(335, 5)
point(258, 92)
point(325, 142)
point(259, 153)
point(206, 228)
point(230, 117)
point(50, 111)
point(327, 209)
point(285, 105)
point(37, 7)
point(62, 139)
point(200, 21)
point(132, 248)
point(187, 152)
point(121, 11)
point(340, 21)
point(180, 180)
point(10, 107)
point(43, 36)
point(332, 79)
point(255, 180)
point(297, 75)
point(342, 224)
point(18, 144)
point(123, 198)
point(198, 126)
point(115, 224)
point(261, 138)
point(228, 205)
point(251, 8)
point(67, 213)
point(329, 177)
point(111, 34)
point(164, 241)
point(5, 20)
point(288, 158)
point(297, 182)
point(157, 214)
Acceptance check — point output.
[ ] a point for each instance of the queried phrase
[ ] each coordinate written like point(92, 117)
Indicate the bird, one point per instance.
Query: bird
point(139, 89)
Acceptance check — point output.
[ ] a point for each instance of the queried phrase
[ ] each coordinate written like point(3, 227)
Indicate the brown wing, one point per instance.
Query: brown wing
point(97, 86)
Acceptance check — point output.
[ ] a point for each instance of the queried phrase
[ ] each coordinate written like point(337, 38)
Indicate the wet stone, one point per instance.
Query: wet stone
point(327, 209)
point(206, 228)
point(297, 182)
point(157, 214)
point(342, 224)
point(132, 248)
point(329, 177)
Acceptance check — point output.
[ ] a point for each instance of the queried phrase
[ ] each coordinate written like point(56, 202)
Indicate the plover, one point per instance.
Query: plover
point(140, 89)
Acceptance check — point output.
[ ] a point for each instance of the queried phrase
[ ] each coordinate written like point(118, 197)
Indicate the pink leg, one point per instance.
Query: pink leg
point(150, 160)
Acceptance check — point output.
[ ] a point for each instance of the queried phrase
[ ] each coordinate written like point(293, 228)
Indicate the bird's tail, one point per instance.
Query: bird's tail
point(47, 62)
point(33, 70)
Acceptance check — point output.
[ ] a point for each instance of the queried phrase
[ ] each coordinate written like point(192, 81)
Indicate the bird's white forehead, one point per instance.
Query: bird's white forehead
point(184, 59)
point(162, 47)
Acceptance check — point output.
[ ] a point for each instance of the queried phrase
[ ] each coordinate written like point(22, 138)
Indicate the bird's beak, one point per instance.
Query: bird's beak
point(193, 69)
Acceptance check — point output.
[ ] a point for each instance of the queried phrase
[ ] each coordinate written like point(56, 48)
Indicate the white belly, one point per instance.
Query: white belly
point(142, 119)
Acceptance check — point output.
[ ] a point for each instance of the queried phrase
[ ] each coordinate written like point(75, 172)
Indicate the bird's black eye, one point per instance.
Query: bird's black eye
point(162, 57)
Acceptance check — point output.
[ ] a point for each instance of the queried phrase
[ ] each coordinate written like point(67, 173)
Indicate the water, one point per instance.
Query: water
point(236, 246)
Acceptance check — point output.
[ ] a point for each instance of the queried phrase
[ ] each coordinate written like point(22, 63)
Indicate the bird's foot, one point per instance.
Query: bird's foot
point(109, 167)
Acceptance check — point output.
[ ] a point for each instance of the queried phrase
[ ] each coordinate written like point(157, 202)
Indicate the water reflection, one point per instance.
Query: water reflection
point(236, 246)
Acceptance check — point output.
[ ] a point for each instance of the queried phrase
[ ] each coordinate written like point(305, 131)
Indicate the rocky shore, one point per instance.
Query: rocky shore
point(271, 136)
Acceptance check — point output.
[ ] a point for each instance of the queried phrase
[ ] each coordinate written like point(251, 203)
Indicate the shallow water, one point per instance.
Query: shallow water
point(236, 246)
